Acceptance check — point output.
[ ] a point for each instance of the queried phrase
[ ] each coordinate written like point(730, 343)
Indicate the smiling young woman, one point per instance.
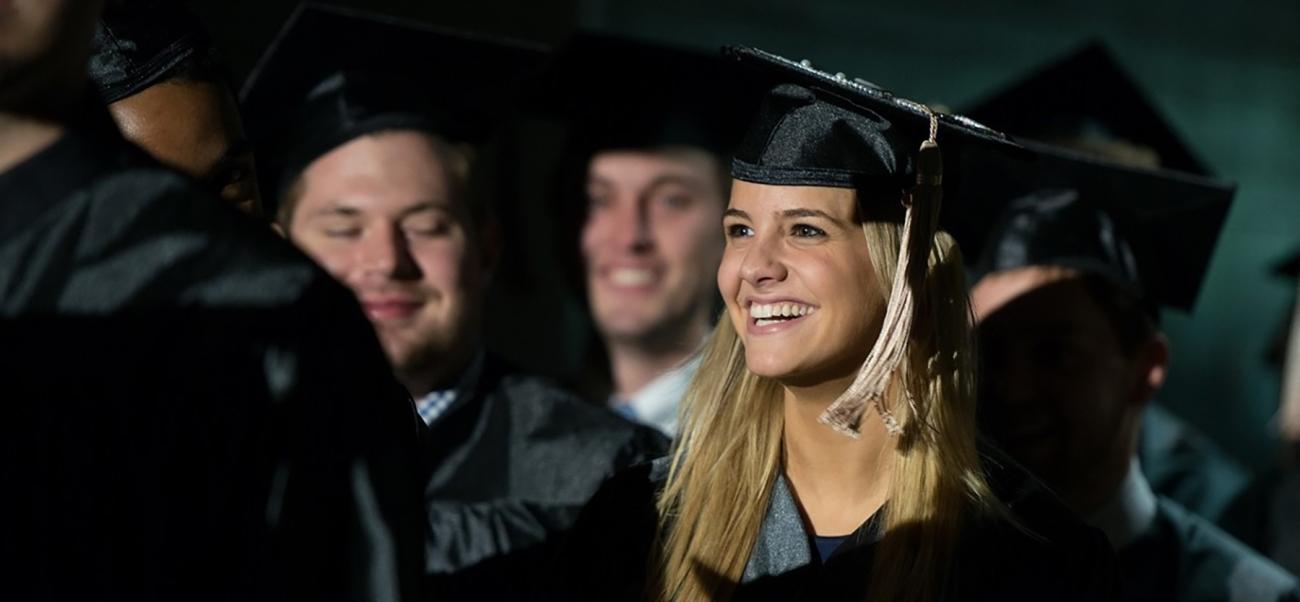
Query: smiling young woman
point(841, 296)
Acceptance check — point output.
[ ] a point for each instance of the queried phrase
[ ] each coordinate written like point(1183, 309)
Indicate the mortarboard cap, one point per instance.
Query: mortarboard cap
point(1151, 232)
point(334, 74)
point(138, 42)
point(623, 93)
point(819, 129)
point(1086, 101)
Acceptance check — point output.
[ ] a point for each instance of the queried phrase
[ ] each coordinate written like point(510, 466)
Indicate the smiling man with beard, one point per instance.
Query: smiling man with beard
point(377, 181)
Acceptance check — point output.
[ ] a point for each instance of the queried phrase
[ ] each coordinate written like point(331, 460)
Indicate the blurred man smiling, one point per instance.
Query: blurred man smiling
point(652, 152)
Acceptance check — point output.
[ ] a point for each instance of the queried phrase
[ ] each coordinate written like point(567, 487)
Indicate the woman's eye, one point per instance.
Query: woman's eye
point(806, 231)
point(739, 231)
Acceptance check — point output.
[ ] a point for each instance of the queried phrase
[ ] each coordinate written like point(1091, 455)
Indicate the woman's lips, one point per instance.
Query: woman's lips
point(391, 309)
point(773, 326)
point(777, 315)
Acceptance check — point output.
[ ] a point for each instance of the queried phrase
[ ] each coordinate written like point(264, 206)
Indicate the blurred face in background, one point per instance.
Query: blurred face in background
point(387, 215)
point(650, 243)
point(44, 46)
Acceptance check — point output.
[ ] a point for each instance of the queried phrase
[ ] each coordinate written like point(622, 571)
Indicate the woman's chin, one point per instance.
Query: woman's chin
point(781, 367)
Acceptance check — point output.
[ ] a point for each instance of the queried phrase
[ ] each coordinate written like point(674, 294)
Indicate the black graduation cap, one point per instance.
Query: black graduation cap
point(624, 93)
point(821, 129)
point(333, 74)
point(1085, 99)
point(1152, 232)
point(138, 42)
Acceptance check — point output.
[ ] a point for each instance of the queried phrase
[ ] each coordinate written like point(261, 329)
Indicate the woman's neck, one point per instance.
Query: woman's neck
point(839, 482)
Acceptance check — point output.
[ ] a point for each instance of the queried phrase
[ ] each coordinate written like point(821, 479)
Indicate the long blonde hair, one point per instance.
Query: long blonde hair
point(728, 452)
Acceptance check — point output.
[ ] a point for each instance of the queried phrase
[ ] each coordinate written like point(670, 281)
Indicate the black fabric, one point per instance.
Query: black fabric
point(1086, 98)
point(138, 42)
point(1184, 465)
point(334, 74)
point(1153, 231)
point(1183, 557)
point(1054, 227)
point(619, 93)
point(514, 463)
point(1058, 559)
point(798, 140)
point(193, 409)
point(818, 129)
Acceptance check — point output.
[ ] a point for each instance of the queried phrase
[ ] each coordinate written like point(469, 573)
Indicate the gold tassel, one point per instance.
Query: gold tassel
point(919, 223)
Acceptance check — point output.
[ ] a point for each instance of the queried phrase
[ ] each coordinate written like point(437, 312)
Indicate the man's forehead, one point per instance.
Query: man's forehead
point(996, 290)
point(647, 165)
point(360, 205)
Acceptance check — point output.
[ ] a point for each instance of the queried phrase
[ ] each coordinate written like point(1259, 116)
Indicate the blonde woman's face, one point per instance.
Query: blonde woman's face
point(798, 282)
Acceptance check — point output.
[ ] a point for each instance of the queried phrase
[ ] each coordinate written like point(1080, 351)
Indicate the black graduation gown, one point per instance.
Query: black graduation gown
point(605, 557)
point(1181, 557)
point(515, 460)
point(193, 410)
point(1185, 466)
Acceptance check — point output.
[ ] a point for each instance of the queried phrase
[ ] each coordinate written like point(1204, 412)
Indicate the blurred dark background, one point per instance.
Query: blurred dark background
point(1226, 75)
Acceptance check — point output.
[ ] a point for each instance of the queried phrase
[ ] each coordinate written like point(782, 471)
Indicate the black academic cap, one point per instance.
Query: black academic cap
point(623, 93)
point(1086, 96)
point(821, 129)
point(1151, 232)
point(138, 42)
point(334, 74)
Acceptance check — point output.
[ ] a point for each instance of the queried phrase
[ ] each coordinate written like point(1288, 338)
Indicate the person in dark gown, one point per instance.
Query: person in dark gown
point(811, 466)
point(1070, 277)
point(193, 409)
point(1087, 102)
point(379, 183)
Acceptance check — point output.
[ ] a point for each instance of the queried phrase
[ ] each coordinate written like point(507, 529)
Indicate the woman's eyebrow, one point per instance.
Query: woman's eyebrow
point(736, 213)
point(802, 212)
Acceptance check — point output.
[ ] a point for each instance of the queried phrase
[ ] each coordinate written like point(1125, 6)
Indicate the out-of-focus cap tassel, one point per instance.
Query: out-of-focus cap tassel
point(919, 222)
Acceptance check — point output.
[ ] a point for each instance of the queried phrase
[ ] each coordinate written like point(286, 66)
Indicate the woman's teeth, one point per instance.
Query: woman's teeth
point(771, 313)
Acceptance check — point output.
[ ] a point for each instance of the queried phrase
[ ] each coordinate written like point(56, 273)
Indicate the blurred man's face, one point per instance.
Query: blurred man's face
point(194, 127)
point(651, 242)
point(44, 45)
point(382, 213)
point(1058, 390)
